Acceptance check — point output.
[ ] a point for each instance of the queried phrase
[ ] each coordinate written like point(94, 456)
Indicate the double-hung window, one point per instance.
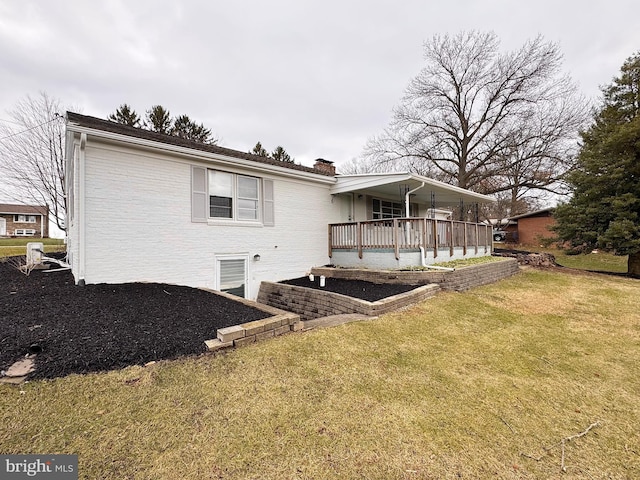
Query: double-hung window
point(24, 218)
point(220, 195)
point(233, 196)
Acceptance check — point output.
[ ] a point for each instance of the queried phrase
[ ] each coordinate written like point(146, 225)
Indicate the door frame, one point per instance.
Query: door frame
point(233, 256)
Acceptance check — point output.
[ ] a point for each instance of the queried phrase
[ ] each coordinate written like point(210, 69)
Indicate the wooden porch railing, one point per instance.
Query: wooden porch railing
point(409, 233)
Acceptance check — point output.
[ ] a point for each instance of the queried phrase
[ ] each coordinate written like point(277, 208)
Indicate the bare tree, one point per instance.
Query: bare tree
point(486, 120)
point(32, 154)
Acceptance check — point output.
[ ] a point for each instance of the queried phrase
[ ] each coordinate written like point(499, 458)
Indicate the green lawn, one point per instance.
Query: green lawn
point(18, 246)
point(482, 384)
point(599, 261)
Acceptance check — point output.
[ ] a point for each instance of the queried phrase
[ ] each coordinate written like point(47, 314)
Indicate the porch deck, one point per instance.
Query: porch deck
point(370, 243)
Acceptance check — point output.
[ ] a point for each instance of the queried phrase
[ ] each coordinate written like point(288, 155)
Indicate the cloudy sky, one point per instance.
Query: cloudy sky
point(318, 78)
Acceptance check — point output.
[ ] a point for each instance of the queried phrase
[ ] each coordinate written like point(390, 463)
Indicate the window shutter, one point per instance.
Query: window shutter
point(268, 215)
point(198, 194)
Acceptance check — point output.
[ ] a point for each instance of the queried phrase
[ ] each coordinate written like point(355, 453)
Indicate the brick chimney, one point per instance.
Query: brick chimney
point(324, 166)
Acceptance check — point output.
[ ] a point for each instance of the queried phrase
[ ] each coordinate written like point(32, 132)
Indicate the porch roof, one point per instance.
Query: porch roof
point(388, 185)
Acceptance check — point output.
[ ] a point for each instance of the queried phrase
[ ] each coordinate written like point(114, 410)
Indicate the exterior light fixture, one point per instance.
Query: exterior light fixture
point(256, 258)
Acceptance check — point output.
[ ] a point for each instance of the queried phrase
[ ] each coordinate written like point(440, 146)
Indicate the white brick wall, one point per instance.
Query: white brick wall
point(138, 224)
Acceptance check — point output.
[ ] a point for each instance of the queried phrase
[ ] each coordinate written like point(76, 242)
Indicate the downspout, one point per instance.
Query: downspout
point(81, 211)
point(406, 199)
point(422, 252)
point(423, 260)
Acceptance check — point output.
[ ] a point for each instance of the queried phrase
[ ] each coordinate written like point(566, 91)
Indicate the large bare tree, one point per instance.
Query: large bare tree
point(32, 160)
point(486, 120)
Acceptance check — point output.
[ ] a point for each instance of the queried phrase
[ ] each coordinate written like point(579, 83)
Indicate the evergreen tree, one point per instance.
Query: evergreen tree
point(158, 119)
point(604, 211)
point(281, 154)
point(126, 116)
point(259, 150)
point(184, 127)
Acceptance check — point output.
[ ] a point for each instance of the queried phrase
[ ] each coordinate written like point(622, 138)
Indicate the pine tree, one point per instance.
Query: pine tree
point(281, 154)
point(158, 119)
point(126, 116)
point(259, 150)
point(604, 211)
point(184, 127)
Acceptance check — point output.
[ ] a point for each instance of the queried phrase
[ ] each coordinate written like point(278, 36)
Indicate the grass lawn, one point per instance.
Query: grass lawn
point(18, 246)
point(597, 262)
point(482, 384)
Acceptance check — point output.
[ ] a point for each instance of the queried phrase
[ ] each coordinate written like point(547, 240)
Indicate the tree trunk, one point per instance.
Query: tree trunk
point(633, 264)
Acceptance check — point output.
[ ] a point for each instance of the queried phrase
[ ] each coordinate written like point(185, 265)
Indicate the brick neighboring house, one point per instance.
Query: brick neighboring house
point(533, 226)
point(24, 220)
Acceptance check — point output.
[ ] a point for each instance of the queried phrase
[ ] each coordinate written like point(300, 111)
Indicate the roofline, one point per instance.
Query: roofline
point(420, 178)
point(225, 155)
point(549, 209)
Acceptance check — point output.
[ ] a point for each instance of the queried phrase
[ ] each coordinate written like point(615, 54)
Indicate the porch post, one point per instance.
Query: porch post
point(451, 238)
point(395, 238)
point(330, 241)
point(435, 237)
point(359, 238)
point(464, 247)
point(477, 238)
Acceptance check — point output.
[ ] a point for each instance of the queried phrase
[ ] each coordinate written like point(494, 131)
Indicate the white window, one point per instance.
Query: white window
point(24, 218)
point(24, 232)
point(233, 196)
point(382, 209)
point(232, 274)
point(219, 195)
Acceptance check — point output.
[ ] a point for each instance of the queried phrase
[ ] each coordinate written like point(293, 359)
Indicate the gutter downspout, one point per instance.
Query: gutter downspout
point(81, 211)
point(422, 253)
point(406, 199)
point(423, 259)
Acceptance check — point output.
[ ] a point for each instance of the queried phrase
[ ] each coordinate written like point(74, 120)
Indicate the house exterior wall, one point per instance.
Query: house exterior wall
point(531, 229)
point(138, 228)
point(40, 226)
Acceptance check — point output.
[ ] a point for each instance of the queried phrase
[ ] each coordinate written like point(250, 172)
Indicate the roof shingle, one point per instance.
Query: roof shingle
point(113, 127)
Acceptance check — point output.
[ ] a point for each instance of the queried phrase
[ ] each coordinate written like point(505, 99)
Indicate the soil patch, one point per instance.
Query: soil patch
point(353, 288)
point(105, 327)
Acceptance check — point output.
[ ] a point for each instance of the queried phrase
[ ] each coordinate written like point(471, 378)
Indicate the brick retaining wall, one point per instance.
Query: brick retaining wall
point(459, 280)
point(311, 303)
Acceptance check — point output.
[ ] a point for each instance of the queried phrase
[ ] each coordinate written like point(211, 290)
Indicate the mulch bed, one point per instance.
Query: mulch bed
point(105, 327)
point(353, 288)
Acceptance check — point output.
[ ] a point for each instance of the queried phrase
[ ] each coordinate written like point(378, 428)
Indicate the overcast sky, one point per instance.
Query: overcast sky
point(318, 78)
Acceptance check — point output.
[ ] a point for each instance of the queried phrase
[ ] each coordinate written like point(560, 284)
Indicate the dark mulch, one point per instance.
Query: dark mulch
point(105, 327)
point(353, 288)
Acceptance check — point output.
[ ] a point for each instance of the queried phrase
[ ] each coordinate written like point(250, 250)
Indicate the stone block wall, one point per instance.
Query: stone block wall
point(459, 280)
point(278, 323)
point(312, 303)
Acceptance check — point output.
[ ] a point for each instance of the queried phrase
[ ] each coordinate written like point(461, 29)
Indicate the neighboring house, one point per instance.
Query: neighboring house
point(24, 221)
point(534, 226)
point(149, 207)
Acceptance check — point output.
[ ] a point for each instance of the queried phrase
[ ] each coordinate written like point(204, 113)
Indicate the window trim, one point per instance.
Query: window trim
point(413, 209)
point(201, 200)
point(219, 258)
point(27, 218)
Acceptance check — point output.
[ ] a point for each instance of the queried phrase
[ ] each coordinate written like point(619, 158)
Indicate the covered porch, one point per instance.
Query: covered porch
point(399, 220)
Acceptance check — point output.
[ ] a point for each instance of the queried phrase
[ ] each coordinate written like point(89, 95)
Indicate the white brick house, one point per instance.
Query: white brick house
point(147, 207)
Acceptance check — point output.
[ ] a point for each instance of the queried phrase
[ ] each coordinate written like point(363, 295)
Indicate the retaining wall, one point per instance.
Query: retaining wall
point(459, 280)
point(237, 335)
point(311, 303)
